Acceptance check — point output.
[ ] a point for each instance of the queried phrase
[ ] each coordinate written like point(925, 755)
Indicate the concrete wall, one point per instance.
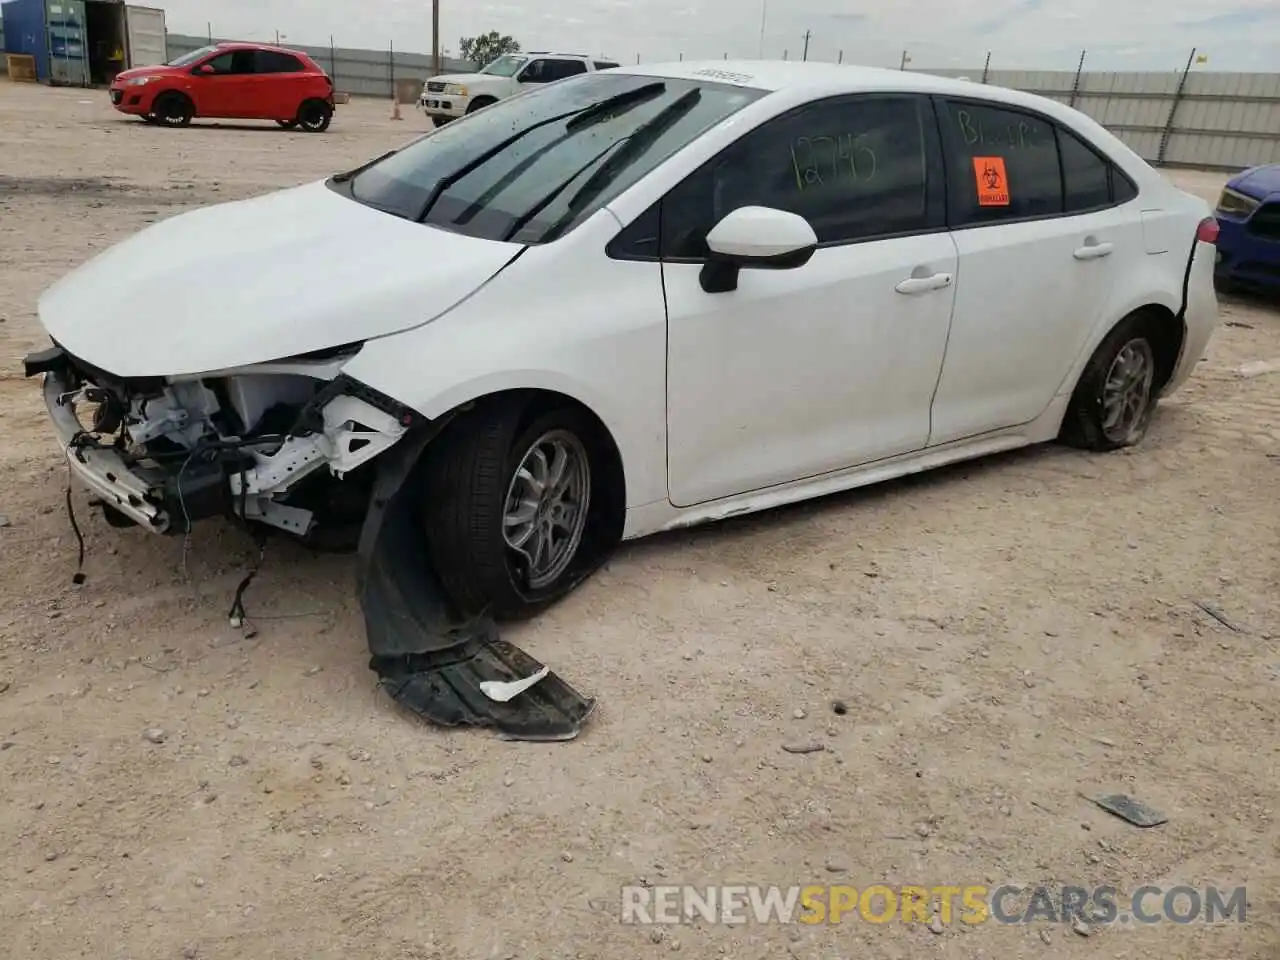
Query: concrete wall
point(362, 73)
point(1222, 120)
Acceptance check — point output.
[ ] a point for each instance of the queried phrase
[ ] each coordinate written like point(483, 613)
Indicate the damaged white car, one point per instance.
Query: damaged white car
point(632, 300)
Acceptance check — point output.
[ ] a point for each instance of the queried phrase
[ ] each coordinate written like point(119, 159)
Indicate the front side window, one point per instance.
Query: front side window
point(505, 66)
point(529, 168)
point(537, 72)
point(854, 167)
point(1003, 164)
point(235, 61)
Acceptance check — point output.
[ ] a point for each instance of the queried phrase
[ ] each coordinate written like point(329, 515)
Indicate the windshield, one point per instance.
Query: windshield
point(505, 66)
point(189, 58)
point(530, 167)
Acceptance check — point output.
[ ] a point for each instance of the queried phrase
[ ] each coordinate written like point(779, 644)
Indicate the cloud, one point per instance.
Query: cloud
point(1019, 33)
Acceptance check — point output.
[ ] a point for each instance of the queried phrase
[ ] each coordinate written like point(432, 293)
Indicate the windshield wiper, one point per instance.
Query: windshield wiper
point(636, 144)
point(542, 204)
point(444, 183)
point(592, 115)
point(349, 174)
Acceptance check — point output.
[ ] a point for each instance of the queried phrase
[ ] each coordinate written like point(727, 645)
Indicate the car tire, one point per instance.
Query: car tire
point(173, 109)
point(287, 124)
point(439, 121)
point(479, 103)
point(1114, 401)
point(314, 116)
point(483, 520)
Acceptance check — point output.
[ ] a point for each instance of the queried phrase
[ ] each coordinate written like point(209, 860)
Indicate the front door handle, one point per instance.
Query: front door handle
point(1092, 251)
point(924, 284)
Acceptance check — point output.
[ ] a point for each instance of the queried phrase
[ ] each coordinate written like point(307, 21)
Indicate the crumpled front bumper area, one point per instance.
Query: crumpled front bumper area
point(101, 469)
point(427, 660)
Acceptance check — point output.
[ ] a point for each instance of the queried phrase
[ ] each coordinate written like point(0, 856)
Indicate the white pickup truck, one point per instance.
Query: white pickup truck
point(448, 97)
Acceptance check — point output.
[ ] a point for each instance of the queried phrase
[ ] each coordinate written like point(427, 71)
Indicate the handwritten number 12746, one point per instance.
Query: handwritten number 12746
point(814, 159)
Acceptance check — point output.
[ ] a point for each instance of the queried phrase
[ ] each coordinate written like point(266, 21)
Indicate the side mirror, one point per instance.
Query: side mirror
point(755, 238)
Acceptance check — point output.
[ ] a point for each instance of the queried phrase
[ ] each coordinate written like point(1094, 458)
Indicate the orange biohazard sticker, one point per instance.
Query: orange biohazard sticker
point(993, 184)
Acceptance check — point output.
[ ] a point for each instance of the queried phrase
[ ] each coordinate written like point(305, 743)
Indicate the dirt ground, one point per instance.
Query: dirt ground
point(1005, 635)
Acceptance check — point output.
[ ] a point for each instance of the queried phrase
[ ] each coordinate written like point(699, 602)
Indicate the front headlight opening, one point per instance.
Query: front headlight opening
point(1236, 204)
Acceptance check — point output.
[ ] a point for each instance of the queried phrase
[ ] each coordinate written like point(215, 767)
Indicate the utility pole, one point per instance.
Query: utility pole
point(905, 60)
point(807, 35)
point(764, 14)
point(435, 38)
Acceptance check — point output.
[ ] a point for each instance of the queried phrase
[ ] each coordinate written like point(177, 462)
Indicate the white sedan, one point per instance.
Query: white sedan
point(633, 300)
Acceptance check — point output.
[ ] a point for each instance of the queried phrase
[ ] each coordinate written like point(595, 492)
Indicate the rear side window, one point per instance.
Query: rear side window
point(1003, 164)
point(559, 69)
point(271, 61)
point(1122, 188)
point(855, 167)
point(1086, 177)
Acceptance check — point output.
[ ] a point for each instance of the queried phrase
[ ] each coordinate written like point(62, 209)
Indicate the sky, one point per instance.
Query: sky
point(1236, 35)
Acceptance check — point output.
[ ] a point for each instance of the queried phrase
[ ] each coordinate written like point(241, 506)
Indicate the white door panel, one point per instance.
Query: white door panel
point(1035, 281)
point(1027, 296)
point(800, 372)
point(148, 42)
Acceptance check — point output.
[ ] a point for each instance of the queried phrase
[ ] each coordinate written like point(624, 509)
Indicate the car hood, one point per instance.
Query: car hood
point(1258, 182)
point(136, 72)
point(263, 279)
point(459, 78)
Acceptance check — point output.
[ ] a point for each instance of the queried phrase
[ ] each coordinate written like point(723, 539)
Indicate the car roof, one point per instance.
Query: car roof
point(249, 45)
point(803, 80)
point(828, 78)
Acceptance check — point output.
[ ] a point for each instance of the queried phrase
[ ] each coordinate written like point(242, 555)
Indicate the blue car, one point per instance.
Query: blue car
point(1249, 230)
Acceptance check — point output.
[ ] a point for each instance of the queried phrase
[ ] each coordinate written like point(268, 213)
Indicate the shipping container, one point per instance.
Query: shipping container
point(84, 42)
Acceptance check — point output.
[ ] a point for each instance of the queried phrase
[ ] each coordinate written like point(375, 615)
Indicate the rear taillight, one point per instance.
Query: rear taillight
point(1207, 232)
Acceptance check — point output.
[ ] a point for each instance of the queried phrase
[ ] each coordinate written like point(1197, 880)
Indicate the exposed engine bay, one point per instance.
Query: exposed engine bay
point(276, 443)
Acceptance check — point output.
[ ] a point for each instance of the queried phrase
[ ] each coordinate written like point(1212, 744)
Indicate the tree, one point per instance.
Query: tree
point(487, 47)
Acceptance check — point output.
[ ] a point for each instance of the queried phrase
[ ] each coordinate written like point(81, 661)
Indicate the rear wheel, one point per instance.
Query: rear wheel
point(1116, 397)
point(173, 109)
point(314, 116)
point(509, 506)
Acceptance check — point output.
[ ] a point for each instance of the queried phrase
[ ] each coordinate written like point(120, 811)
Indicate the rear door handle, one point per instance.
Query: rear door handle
point(924, 284)
point(1092, 251)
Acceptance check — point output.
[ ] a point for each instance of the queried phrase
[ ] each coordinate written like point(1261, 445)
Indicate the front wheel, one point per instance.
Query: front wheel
point(509, 506)
point(479, 103)
point(1116, 397)
point(314, 116)
point(173, 109)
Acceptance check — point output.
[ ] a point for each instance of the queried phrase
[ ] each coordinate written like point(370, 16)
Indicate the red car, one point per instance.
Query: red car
point(241, 81)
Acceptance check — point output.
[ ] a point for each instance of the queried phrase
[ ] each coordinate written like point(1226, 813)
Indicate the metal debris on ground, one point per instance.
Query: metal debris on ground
point(1127, 808)
point(1217, 615)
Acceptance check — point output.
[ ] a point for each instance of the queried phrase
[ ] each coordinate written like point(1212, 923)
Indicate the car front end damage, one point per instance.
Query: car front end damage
point(282, 445)
point(259, 442)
